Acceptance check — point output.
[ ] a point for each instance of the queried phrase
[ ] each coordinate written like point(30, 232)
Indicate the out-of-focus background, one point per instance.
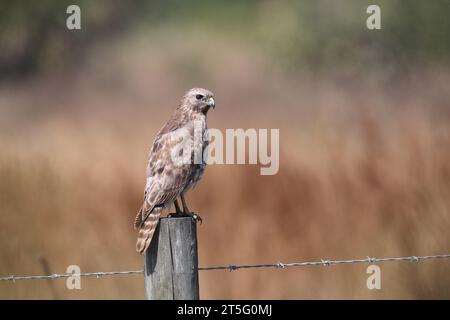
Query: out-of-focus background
point(364, 119)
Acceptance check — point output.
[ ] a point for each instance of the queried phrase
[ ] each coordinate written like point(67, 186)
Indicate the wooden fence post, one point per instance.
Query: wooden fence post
point(171, 261)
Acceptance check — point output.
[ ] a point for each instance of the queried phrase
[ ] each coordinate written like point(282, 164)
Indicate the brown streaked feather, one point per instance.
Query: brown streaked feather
point(138, 219)
point(147, 230)
point(142, 215)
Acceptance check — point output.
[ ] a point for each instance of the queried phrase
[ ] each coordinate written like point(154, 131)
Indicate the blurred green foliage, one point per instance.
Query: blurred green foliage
point(311, 33)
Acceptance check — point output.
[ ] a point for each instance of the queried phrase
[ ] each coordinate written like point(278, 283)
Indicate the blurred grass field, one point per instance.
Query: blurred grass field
point(364, 168)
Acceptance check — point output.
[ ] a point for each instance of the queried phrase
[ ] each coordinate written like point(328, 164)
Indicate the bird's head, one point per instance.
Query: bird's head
point(198, 100)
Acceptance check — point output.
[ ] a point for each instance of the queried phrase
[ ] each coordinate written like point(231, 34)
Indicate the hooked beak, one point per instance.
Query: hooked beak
point(211, 103)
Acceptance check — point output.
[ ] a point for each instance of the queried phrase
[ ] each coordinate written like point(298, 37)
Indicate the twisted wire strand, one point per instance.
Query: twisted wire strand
point(323, 262)
point(278, 265)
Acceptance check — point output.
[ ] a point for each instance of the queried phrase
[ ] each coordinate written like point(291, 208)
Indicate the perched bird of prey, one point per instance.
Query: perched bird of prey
point(176, 163)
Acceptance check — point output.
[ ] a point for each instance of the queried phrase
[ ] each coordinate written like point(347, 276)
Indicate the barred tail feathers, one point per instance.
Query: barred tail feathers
point(146, 229)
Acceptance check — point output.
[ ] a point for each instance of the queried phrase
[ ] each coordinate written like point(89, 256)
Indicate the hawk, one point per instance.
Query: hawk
point(176, 163)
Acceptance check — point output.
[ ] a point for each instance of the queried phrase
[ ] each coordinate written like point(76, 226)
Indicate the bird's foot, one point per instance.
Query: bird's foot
point(174, 215)
point(194, 216)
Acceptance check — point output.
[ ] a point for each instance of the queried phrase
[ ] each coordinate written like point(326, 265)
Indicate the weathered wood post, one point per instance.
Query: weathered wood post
point(171, 261)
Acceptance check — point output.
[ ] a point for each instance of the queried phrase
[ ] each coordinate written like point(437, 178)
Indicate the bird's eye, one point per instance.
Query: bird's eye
point(199, 96)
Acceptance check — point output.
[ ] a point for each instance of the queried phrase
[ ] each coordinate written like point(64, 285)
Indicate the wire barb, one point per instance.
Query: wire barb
point(232, 267)
point(325, 263)
point(278, 265)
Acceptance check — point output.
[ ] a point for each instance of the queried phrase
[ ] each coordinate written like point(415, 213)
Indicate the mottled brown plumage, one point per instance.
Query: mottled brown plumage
point(175, 164)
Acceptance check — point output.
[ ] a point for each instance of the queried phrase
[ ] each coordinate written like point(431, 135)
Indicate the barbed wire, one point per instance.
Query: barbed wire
point(66, 275)
point(323, 262)
point(278, 265)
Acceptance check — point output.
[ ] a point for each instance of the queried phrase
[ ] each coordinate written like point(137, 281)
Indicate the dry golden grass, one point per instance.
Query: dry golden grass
point(364, 171)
